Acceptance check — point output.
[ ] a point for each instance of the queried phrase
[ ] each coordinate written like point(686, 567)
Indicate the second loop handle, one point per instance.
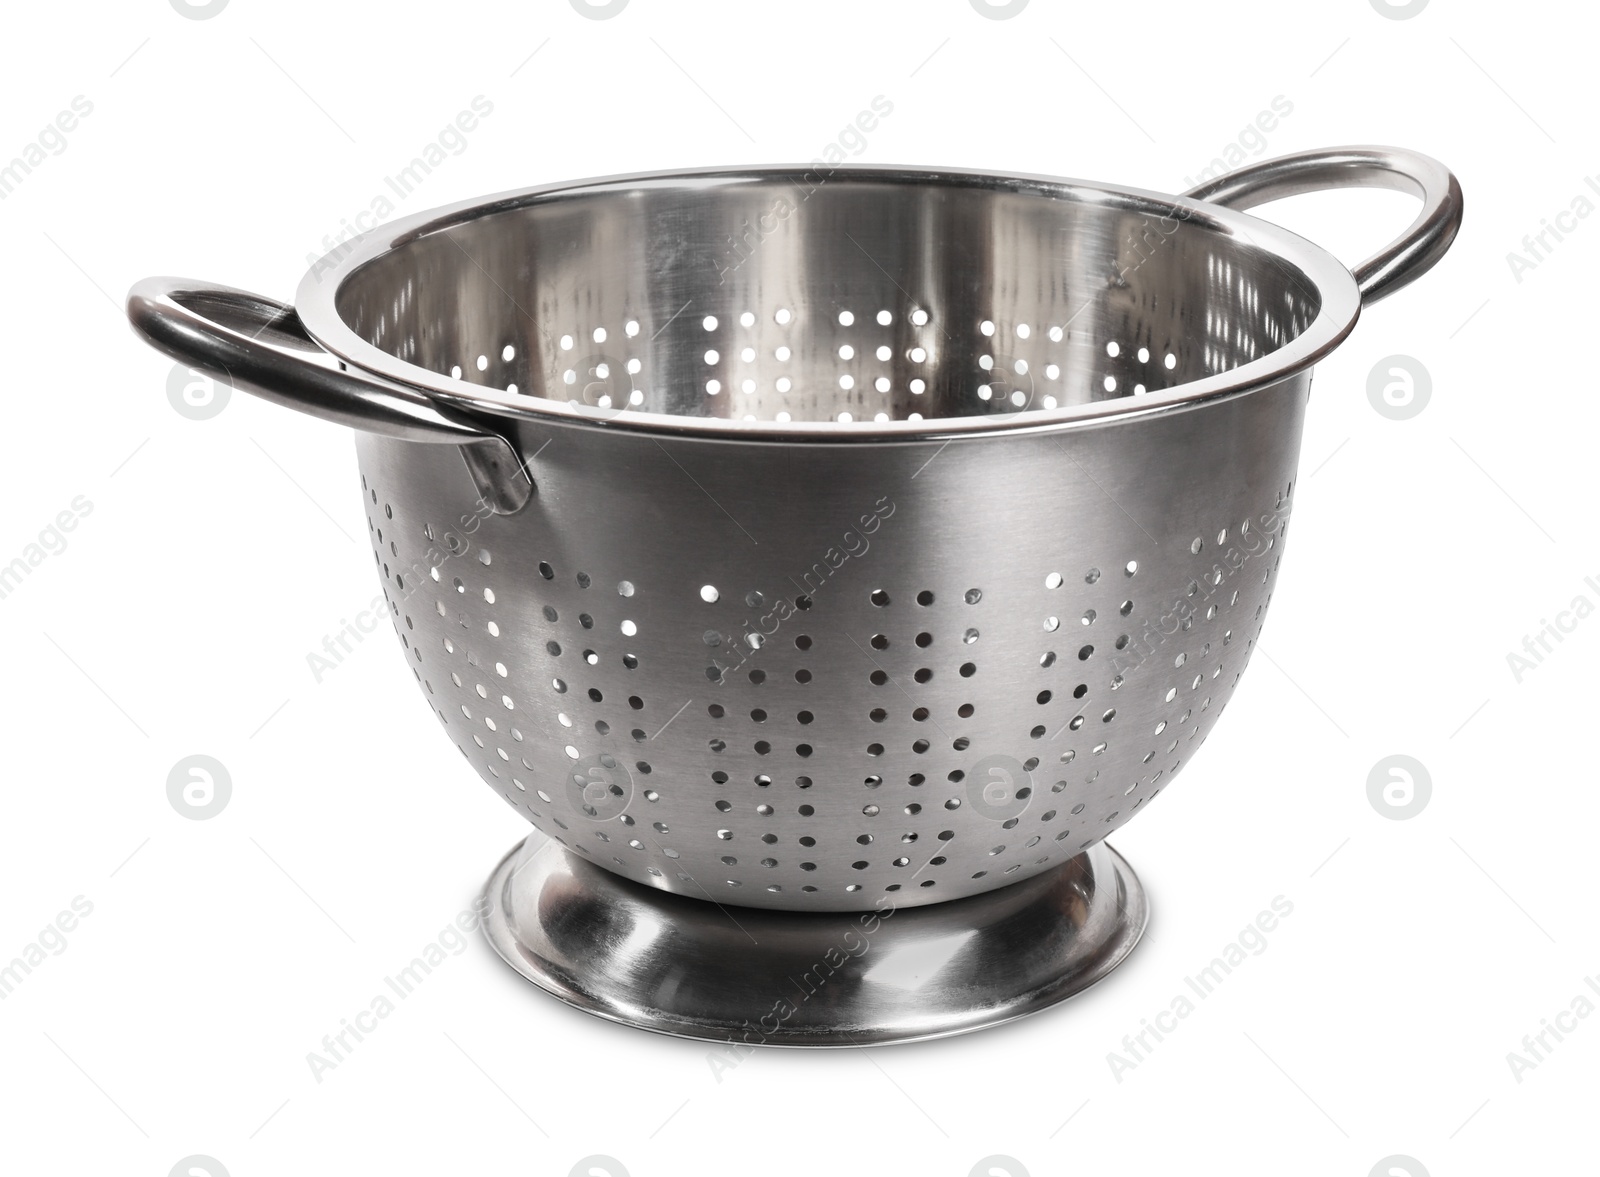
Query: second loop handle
point(1398, 264)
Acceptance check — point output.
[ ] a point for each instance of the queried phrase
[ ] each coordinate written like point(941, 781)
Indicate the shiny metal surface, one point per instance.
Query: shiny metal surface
point(751, 978)
point(257, 344)
point(739, 647)
point(260, 344)
point(1397, 265)
point(416, 300)
point(885, 247)
point(808, 677)
point(882, 304)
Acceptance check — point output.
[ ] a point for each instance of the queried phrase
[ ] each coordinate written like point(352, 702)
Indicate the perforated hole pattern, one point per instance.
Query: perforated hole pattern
point(779, 300)
point(825, 766)
point(888, 365)
point(972, 704)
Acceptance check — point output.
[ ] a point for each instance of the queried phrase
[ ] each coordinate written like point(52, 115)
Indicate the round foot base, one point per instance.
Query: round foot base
point(698, 969)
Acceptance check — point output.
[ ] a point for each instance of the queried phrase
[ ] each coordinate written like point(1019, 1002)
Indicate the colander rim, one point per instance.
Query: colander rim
point(317, 295)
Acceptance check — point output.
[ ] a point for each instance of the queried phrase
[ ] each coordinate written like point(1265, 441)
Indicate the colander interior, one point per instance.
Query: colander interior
point(779, 296)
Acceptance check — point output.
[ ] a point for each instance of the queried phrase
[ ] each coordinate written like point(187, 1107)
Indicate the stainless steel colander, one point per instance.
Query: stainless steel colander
point(816, 542)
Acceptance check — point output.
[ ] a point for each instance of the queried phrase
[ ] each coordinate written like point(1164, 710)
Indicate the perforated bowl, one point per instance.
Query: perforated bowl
point(823, 537)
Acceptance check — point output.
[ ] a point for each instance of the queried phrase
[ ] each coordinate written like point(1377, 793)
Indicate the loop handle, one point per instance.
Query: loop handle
point(1398, 264)
point(260, 345)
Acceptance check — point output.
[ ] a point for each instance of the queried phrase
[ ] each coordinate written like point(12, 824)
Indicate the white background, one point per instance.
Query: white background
point(218, 553)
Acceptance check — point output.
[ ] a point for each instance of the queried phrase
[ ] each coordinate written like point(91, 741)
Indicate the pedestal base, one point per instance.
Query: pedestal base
point(697, 969)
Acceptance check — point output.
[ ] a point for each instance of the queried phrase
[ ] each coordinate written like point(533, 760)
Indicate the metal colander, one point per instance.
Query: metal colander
point(824, 537)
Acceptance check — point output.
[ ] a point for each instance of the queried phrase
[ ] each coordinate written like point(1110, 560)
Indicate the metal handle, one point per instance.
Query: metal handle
point(260, 345)
point(1399, 264)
